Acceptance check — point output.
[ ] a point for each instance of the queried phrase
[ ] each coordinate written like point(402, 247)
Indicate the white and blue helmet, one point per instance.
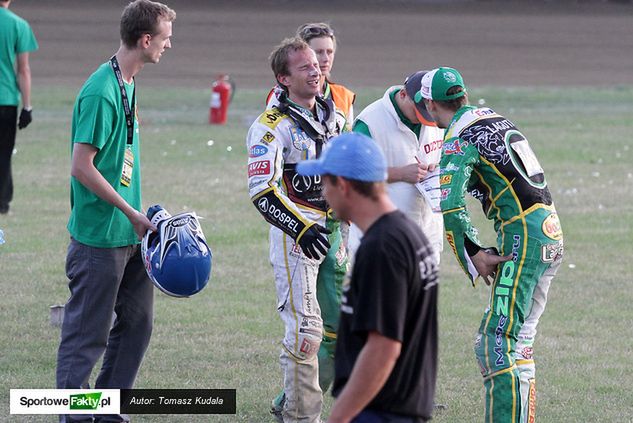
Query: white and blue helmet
point(176, 256)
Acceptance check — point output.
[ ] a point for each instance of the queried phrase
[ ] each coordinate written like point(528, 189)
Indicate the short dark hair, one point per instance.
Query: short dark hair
point(309, 31)
point(142, 17)
point(366, 189)
point(455, 104)
point(279, 56)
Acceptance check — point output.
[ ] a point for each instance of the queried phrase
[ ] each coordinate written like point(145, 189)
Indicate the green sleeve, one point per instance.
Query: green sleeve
point(361, 127)
point(93, 121)
point(26, 39)
point(459, 159)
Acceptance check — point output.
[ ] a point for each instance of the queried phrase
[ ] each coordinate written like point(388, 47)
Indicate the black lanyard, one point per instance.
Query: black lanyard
point(129, 111)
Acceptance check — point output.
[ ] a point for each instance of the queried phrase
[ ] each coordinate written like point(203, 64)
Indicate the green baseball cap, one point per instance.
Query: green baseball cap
point(436, 83)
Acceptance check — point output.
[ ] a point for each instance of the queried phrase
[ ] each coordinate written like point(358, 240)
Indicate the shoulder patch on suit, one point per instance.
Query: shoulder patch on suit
point(268, 137)
point(271, 118)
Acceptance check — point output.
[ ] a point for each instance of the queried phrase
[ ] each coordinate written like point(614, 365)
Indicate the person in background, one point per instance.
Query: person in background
point(16, 42)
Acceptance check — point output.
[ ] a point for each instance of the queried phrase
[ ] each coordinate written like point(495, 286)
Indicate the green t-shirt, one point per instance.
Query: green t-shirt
point(99, 120)
point(363, 128)
point(16, 37)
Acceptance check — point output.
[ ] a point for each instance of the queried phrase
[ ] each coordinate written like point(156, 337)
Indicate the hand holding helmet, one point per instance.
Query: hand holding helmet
point(176, 256)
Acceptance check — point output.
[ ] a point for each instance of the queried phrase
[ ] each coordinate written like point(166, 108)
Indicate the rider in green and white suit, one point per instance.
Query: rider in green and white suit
point(486, 155)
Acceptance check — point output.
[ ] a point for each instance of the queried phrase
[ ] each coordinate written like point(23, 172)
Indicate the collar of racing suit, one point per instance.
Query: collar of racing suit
point(321, 128)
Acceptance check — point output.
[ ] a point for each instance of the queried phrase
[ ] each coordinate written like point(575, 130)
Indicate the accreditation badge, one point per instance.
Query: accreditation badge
point(128, 166)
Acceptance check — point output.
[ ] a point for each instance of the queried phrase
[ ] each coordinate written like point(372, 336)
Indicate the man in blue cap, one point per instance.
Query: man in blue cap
point(386, 352)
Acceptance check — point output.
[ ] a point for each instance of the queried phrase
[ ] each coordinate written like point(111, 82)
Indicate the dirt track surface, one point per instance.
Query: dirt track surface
point(491, 42)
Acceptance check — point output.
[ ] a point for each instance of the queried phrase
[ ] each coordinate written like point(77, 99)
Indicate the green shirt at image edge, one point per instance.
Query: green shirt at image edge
point(16, 37)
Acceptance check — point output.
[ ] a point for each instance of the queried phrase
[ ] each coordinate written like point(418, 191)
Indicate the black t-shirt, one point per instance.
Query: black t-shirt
point(393, 291)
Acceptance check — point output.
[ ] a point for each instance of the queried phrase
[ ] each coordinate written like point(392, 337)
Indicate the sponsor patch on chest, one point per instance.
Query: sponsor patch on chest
point(300, 139)
point(432, 146)
point(454, 147)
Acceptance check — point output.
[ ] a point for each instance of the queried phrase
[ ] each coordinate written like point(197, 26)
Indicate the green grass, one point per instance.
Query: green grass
point(228, 335)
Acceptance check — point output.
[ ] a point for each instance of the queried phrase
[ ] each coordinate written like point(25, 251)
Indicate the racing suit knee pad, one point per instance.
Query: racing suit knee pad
point(525, 363)
point(493, 353)
point(304, 398)
point(305, 349)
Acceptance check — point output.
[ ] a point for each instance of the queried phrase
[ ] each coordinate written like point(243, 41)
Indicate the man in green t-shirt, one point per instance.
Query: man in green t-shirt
point(104, 263)
point(16, 41)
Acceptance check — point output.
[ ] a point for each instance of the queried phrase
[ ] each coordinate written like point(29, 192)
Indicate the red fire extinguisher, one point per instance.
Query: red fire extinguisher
point(222, 91)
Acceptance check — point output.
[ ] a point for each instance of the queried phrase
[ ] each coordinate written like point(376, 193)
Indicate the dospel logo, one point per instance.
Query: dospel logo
point(87, 401)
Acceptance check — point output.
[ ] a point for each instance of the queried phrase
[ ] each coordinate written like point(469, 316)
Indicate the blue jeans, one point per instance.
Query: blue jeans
point(103, 280)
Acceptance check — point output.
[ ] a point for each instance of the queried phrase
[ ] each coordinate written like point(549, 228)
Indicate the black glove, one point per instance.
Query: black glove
point(313, 241)
point(25, 118)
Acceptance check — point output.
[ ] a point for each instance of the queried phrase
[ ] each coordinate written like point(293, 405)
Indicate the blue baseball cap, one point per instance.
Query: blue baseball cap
point(350, 155)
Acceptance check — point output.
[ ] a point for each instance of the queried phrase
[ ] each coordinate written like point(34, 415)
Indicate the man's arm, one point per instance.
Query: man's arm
point(411, 173)
point(83, 169)
point(24, 79)
point(372, 369)
point(265, 169)
point(458, 162)
point(487, 263)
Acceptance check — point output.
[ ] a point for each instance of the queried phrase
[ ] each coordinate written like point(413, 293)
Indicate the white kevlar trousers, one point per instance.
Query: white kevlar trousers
point(295, 280)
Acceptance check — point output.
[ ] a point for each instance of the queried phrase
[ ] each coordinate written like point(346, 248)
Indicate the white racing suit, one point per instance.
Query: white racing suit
point(278, 139)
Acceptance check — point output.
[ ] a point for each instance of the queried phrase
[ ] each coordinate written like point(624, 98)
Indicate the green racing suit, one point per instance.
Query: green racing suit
point(484, 154)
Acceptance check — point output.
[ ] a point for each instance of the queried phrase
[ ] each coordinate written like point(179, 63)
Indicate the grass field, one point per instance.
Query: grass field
point(227, 336)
